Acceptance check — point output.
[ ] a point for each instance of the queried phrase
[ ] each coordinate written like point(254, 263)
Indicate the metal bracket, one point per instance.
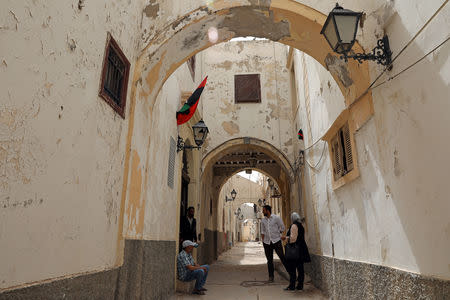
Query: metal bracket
point(382, 54)
point(181, 145)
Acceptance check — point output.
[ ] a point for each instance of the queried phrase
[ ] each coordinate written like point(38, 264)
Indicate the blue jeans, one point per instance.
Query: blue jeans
point(198, 275)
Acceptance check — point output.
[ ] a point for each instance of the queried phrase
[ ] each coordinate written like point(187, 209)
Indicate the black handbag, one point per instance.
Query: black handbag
point(292, 252)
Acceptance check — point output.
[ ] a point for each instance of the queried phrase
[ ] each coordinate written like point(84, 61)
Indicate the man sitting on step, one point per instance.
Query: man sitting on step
point(188, 270)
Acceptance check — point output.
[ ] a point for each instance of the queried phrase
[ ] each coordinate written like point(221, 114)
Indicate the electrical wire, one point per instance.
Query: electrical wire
point(413, 64)
point(320, 159)
point(371, 86)
point(400, 52)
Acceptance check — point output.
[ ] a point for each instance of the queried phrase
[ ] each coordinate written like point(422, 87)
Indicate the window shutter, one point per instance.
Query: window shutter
point(247, 88)
point(337, 165)
point(348, 148)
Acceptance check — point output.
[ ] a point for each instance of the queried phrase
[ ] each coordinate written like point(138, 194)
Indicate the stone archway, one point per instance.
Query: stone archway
point(226, 160)
point(284, 21)
point(235, 155)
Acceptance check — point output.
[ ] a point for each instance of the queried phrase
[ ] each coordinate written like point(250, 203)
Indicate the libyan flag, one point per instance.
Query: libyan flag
point(188, 109)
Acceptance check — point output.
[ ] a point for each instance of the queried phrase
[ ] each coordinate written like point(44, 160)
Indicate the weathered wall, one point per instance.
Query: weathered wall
point(247, 192)
point(61, 146)
point(268, 120)
point(397, 208)
point(63, 150)
point(152, 194)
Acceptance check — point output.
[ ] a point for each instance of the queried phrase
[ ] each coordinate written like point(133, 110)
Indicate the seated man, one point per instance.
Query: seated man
point(188, 270)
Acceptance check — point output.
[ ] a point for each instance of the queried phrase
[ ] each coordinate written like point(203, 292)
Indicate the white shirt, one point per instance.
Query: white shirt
point(272, 228)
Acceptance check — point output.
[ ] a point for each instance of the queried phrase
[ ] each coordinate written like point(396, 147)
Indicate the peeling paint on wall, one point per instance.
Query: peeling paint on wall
point(135, 208)
point(151, 10)
point(230, 127)
point(338, 67)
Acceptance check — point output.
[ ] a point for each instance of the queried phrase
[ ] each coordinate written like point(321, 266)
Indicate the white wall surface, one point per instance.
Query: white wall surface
point(61, 146)
point(396, 213)
point(268, 120)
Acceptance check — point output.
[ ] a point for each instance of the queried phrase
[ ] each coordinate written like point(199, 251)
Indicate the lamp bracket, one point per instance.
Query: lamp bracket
point(382, 53)
point(181, 145)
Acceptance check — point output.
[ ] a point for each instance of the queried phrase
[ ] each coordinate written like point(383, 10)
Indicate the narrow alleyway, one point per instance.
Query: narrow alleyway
point(241, 273)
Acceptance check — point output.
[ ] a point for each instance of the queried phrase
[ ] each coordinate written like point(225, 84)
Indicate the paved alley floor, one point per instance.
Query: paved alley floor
point(241, 273)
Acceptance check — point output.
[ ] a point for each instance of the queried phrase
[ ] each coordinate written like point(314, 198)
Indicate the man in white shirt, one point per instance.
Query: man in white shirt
point(272, 228)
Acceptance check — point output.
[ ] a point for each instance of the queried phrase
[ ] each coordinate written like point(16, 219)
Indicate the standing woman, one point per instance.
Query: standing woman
point(296, 239)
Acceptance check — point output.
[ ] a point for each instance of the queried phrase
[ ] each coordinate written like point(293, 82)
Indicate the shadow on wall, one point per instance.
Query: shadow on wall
point(400, 200)
point(404, 165)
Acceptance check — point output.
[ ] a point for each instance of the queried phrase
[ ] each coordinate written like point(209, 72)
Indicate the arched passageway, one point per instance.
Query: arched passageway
point(283, 21)
point(222, 163)
point(105, 185)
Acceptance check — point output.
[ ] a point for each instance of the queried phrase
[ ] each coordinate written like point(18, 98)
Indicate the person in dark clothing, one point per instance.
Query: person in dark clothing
point(296, 234)
point(188, 228)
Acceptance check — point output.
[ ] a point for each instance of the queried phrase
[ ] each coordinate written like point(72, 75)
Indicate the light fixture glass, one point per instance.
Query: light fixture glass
point(200, 132)
point(233, 194)
point(340, 29)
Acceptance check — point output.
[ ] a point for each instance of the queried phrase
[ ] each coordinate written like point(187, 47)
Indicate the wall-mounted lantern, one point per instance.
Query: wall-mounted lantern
point(238, 212)
point(276, 194)
point(271, 183)
point(260, 202)
point(233, 194)
point(340, 30)
point(200, 133)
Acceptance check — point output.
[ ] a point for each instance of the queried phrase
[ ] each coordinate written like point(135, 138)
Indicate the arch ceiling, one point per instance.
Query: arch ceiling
point(283, 21)
point(239, 154)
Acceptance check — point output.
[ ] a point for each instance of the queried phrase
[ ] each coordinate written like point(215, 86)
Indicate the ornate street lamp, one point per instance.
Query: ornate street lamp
point(238, 212)
point(271, 183)
point(340, 30)
point(276, 194)
point(233, 194)
point(200, 133)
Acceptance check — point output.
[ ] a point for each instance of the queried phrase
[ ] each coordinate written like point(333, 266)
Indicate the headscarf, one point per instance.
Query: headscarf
point(295, 217)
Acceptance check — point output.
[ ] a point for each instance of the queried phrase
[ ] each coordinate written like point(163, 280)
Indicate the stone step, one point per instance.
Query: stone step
point(185, 287)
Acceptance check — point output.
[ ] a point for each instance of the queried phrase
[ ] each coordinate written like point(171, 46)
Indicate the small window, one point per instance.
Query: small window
point(342, 154)
point(114, 81)
point(247, 88)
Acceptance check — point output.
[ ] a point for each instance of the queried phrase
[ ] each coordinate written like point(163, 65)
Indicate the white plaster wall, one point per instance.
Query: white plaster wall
point(268, 120)
point(61, 146)
point(149, 196)
point(247, 192)
point(396, 213)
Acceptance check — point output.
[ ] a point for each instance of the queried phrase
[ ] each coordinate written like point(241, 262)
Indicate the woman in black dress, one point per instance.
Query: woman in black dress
point(296, 234)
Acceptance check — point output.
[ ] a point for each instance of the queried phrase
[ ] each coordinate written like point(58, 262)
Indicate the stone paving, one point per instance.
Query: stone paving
point(241, 273)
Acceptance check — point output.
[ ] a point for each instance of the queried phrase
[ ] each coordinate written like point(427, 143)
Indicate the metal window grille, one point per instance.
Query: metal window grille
point(115, 72)
point(114, 79)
